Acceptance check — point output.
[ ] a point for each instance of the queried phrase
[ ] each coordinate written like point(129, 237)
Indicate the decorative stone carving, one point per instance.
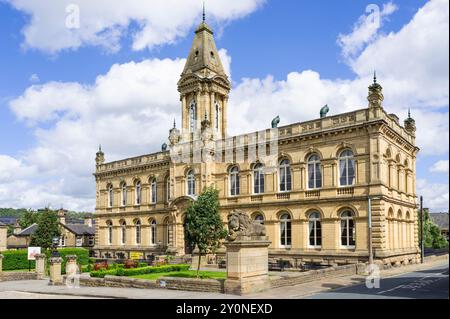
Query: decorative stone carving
point(240, 225)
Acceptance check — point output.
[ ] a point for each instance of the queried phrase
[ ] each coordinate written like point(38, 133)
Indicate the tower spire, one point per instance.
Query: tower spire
point(204, 12)
point(374, 76)
point(409, 112)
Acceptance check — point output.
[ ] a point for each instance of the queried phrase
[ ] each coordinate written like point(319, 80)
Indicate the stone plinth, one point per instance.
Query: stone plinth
point(55, 271)
point(40, 265)
point(1, 262)
point(247, 265)
point(71, 265)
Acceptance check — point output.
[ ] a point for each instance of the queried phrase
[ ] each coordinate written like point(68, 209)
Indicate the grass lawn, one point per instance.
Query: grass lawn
point(184, 274)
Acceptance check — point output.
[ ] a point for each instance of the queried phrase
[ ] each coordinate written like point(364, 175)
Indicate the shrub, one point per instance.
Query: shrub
point(16, 260)
point(120, 271)
point(81, 253)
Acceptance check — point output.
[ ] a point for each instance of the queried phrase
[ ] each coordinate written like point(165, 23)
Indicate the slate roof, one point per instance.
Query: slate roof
point(440, 219)
point(1, 224)
point(80, 229)
point(8, 220)
point(28, 231)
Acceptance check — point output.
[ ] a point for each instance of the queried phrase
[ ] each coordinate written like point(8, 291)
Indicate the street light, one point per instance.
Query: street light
point(370, 228)
point(55, 242)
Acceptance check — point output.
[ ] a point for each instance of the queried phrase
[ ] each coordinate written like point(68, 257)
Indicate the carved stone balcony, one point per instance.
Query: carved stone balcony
point(312, 193)
point(283, 196)
point(346, 191)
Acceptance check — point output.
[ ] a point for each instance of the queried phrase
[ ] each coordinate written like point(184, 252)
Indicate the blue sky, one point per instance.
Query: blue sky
point(261, 38)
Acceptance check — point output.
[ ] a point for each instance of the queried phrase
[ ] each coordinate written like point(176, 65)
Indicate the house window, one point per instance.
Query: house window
point(153, 232)
point(191, 183)
point(193, 116)
point(315, 230)
point(346, 168)
point(110, 196)
point(258, 179)
point(138, 193)
point(124, 194)
point(314, 172)
point(123, 228)
point(62, 241)
point(138, 232)
point(234, 181)
point(285, 176)
point(285, 230)
point(79, 241)
point(153, 191)
point(347, 229)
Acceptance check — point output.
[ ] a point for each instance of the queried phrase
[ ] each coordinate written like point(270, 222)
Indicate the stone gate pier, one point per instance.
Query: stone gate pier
point(247, 256)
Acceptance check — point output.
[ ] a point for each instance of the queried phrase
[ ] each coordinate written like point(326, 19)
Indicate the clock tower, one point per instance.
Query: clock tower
point(204, 87)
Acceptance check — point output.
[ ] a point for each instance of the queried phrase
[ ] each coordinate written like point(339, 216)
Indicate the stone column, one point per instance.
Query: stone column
point(247, 265)
point(55, 271)
point(40, 265)
point(71, 265)
point(1, 263)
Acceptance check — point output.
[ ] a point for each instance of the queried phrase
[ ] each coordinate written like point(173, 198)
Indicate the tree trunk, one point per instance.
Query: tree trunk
point(199, 258)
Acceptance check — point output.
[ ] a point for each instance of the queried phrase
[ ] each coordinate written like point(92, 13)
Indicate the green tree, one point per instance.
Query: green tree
point(204, 227)
point(28, 218)
point(46, 230)
point(432, 234)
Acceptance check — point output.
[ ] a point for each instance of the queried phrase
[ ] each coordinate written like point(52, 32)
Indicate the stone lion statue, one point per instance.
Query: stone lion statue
point(240, 224)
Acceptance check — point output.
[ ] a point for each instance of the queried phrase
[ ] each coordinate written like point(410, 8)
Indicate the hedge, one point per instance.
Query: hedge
point(138, 271)
point(18, 259)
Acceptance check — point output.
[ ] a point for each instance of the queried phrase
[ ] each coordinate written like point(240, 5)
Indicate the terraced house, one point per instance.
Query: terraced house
point(312, 194)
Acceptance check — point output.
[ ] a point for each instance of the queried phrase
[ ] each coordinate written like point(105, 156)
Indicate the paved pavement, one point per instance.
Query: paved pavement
point(422, 284)
point(429, 280)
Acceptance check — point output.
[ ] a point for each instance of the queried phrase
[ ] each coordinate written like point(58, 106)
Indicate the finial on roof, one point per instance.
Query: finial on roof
point(409, 112)
point(374, 76)
point(174, 123)
point(204, 12)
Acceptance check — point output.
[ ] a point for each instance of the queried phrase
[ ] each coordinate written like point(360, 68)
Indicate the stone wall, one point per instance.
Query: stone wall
point(119, 282)
point(16, 275)
point(312, 275)
point(192, 284)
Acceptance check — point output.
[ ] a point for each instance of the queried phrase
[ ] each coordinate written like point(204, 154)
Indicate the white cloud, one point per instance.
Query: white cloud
point(436, 195)
point(365, 29)
point(34, 78)
point(129, 110)
point(440, 167)
point(53, 24)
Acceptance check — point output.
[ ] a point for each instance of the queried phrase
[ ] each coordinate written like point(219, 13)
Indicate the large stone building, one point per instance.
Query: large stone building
point(311, 192)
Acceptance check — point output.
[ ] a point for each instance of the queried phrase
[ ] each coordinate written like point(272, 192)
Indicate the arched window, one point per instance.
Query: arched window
point(315, 230)
point(137, 226)
point(218, 119)
point(346, 168)
point(234, 181)
point(314, 172)
point(285, 230)
point(153, 232)
point(193, 116)
point(285, 176)
point(123, 229)
point(258, 179)
point(123, 191)
point(259, 218)
point(110, 196)
point(167, 189)
point(110, 232)
point(138, 194)
point(191, 183)
point(347, 229)
point(154, 193)
point(167, 232)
